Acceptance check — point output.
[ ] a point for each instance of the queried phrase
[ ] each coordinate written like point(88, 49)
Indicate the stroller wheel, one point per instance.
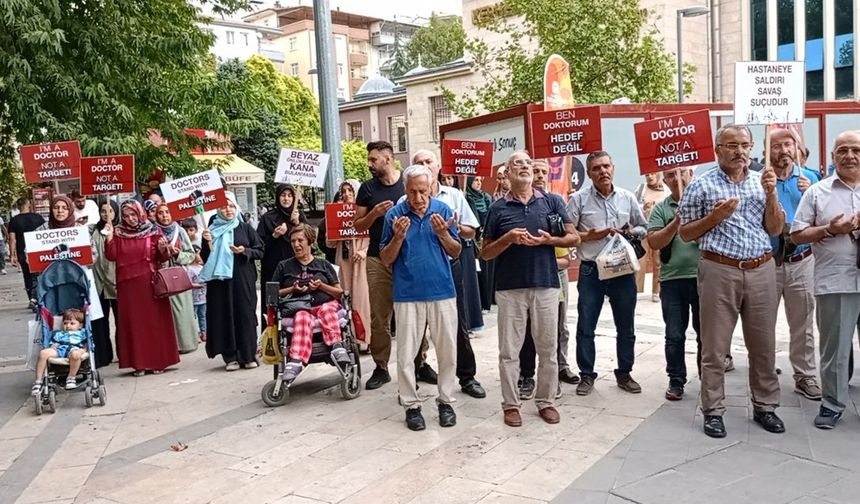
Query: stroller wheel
point(269, 397)
point(52, 401)
point(88, 396)
point(102, 395)
point(350, 388)
point(38, 401)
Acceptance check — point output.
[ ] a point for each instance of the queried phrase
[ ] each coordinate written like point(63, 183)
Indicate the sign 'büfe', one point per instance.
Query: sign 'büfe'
point(566, 132)
point(49, 245)
point(194, 194)
point(107, 175)
point(467, 157)
point(340, 222)
point(51, 161)
point(674, 141)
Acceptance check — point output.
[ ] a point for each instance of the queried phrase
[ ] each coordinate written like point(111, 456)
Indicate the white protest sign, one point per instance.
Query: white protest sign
point(769, 92)
point(48, 245)
point(298, 167)
point(194, 194)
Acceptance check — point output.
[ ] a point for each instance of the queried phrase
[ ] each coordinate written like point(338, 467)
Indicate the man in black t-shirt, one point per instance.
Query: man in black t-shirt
point(374, 198)
point(24, 222)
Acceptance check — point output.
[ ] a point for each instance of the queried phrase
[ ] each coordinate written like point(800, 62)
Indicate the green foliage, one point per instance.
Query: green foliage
point(108, 73)
point(440, 42)
point(355, 160)
point(611, 49)
point(294, 102)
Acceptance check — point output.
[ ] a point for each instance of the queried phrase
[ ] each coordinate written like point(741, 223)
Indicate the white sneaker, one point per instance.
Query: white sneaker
point(71, 384)
point(232, 366)
point(3, 271)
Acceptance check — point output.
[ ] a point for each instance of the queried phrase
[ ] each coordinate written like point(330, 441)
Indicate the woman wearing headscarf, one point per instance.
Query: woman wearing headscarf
point(350, 257)
point(480, 202)
point(104, 272)
point(62, 214)
point(137, 246)
point(230, 247)
point(182, 304)
point(274, 230)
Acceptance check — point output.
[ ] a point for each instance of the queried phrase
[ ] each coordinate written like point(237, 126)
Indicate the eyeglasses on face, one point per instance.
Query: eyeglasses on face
point(734, 146)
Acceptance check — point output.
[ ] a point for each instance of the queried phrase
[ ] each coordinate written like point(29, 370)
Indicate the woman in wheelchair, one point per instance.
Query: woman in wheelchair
point(69, 343)
point(307, 277)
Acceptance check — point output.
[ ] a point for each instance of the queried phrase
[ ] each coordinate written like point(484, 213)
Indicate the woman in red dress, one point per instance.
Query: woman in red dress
point(146, 331)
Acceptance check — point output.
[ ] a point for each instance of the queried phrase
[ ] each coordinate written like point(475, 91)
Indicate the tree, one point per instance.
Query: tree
point(108, 74)
point(440, 42)
point(611, 49)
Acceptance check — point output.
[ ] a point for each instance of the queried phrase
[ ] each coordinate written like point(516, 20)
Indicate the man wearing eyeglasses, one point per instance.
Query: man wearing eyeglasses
point(523, 229)
point(732, 212)
point(828, 218)
point(794, 266)
point(597, 213)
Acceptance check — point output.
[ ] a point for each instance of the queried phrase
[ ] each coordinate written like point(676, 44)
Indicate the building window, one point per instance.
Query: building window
point(844, 49)
point(815, 50)
point(231, 37)
point(758, 29)
point(292, 43)
point(355, 131)
point(439, 115)
point(785, 31)
point(294, 69)
point(340, 70)
point(245, 38)
point(397, 133)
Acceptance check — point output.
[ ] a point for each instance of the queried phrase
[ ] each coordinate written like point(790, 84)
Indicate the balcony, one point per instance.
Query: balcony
point(357, 59)
point(381, 39)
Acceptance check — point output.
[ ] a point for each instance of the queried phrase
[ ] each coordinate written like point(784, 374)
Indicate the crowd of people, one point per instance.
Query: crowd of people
point(726, 244)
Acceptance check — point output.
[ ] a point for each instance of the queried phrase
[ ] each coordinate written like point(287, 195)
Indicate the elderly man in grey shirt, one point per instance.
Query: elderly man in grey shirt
point(597, 213)
point(829, 218)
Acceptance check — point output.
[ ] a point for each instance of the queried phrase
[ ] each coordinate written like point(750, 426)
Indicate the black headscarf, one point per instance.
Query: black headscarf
point(101, 223)
point(285, 212)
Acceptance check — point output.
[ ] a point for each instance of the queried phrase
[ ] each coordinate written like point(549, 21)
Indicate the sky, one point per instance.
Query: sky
point(385, 9)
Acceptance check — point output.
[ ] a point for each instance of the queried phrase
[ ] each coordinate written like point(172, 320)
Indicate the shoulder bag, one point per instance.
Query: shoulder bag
point(167, 281)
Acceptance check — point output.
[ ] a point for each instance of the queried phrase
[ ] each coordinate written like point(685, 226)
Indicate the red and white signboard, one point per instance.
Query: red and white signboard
point(194, 194)
point(674, 141)
point(467, 157)
point(566, 132)
point(45, 247)
point(107, 175)
point(340, 222)
point(51, 161)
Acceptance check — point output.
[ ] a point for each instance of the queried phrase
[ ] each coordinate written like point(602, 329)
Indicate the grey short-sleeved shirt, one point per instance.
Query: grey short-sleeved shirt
point(836, 269)
point(589, 210)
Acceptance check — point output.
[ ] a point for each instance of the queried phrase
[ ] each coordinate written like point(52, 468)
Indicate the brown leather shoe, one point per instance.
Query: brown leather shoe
point(550, 415)
point(513, 418)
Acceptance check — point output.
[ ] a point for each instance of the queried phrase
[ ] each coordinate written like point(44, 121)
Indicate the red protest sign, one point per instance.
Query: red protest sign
point(51, 161)
point(107, 175)
point(340, 222)
point(674, 141)
point(46, 246)
point(467, 157)
point(566, 132)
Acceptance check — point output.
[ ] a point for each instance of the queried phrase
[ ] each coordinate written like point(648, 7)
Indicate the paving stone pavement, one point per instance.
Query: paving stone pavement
point(321, 448)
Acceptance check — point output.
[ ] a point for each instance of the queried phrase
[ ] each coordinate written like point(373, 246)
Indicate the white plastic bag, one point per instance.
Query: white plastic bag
point(34, 344)
point(617, 258)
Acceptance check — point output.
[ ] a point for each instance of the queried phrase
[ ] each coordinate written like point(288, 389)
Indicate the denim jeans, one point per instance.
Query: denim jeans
point(679, 298)
point(622, 298)
point(200, 311)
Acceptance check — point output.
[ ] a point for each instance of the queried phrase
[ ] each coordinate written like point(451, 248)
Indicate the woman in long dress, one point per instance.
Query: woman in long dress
point(104, 273)
point(230, 247)
point(274, 229)
point(147, 339)
point(350, 257)
point(182, 304)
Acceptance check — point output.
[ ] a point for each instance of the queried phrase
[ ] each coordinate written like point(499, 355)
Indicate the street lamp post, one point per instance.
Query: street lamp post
point(327, 81)
point(682, 13)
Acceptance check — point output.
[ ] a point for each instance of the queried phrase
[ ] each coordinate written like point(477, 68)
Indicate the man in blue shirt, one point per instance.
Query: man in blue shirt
point(418, 238)
point(795, 266)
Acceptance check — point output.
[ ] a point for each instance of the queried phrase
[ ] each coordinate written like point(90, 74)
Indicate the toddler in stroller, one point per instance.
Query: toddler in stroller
point(66, 344)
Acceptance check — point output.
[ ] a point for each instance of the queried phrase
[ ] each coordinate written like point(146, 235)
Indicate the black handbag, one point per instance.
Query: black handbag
point(291, 305)
point(555, 224)
point(636, 243)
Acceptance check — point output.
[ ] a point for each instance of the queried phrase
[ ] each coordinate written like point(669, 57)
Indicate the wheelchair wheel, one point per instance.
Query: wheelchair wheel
point(38, 401)
point(269, 397)
point(88, 396)
point(102, 395)
point(351, 387)
point(52, 401)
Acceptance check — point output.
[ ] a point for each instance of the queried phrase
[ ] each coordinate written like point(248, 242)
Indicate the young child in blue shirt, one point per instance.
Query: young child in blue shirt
point(198, 293)
point(69, 343)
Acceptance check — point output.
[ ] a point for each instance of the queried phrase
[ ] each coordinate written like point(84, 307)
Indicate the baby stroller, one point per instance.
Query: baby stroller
point(277, 391)
point(64, 285)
